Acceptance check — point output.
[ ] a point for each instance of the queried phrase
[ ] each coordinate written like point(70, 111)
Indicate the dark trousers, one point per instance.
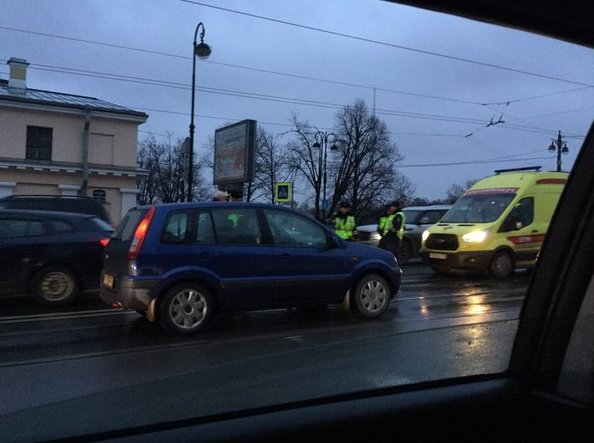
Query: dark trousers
point(390, 242)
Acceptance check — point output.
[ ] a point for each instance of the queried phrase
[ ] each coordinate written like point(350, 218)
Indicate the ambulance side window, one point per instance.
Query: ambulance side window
point(522, 215)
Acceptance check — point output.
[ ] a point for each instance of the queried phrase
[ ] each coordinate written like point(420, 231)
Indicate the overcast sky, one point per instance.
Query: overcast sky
point(439, 80)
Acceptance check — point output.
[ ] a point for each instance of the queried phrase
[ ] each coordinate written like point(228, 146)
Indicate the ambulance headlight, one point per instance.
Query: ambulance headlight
point(425, 235)
point(475, 237)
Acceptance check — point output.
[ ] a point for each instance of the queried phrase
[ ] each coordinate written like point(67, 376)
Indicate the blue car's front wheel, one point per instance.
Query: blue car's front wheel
point(371, 296)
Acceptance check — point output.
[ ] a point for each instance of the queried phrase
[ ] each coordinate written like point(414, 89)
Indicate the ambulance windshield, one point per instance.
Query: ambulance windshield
point(478, 208)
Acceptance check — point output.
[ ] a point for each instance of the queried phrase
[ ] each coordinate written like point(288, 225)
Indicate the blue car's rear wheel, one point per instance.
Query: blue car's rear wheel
point(371, 296)
point(186, 308)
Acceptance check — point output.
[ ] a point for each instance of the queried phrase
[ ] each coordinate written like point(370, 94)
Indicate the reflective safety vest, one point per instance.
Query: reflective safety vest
point(384, 224)
point(344, 227)
point(387, 222)
point(400, 231)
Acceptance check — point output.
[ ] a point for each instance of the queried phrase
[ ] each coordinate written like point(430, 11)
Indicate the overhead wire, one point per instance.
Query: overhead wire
point(392, 45)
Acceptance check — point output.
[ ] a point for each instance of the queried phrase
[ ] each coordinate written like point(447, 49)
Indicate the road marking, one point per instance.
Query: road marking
point(62, 315)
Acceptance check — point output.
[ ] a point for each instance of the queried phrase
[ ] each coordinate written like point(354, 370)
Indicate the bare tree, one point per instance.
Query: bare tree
point(455, 191)
point(361, 168)
point(271, 165)
point(148, 159)
point(167, 166)
point(305, 160)
point(364, 171)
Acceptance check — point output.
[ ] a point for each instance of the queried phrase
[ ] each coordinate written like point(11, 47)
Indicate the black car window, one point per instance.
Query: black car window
point(236, 226)
point(101, 224)
point(293, 230)
point(13, 228)
point(60, 226)
point(175, 229)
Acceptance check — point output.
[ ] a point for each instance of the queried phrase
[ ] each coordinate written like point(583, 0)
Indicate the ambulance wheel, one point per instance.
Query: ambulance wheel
point(502, 265)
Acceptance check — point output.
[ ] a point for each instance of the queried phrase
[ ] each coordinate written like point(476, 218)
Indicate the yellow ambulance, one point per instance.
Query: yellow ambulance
point(499, 224)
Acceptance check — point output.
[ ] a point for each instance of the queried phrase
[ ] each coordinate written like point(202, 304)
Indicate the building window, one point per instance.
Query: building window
point(99, 194)
point(39, 143)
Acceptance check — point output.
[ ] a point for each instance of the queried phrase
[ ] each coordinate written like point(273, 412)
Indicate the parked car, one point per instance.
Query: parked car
point(63, 203)
point(179, 263)
point(418, 219)
point(51, 255)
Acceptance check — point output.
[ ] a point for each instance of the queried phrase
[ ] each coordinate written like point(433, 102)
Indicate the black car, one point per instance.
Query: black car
point(62, 203)
point(51, 255)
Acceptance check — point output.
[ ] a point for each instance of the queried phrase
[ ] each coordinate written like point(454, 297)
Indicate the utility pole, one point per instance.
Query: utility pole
point(561, 147)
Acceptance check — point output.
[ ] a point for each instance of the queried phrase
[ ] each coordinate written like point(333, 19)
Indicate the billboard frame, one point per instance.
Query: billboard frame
point(234, 153)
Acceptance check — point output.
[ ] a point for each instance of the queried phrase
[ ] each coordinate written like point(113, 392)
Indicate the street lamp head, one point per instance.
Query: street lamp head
point(202, 50)
point(316, 145)
point(552, 147)
point(565, 149)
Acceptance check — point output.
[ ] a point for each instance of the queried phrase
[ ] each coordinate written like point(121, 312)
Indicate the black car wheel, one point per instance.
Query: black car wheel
point(372, 296)
point(55, 285)
point(186, 308)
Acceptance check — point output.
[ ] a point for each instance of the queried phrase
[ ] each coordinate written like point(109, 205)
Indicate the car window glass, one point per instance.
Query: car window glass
point(431, 217)
point(176, 228)
point(127, 226)
point(101, 224)
point(237, 226)
point(478, 208)
point(523, 212)
point(292, 230)
point(411, 216)
point(13, 228)
point(60, 226)
point(204, 229)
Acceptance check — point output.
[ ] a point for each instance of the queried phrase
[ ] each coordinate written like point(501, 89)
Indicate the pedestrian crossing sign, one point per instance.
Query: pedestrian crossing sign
point(283, 192)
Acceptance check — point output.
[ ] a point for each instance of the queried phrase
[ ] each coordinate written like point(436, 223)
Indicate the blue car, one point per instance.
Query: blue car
point(180, 263)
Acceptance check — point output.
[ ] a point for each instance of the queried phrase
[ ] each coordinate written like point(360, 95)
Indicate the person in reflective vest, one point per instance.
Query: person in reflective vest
point(344, 221)
point(391, 227)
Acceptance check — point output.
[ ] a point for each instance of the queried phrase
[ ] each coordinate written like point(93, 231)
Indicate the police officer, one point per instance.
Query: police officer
point(391, 227)
point(344, 221)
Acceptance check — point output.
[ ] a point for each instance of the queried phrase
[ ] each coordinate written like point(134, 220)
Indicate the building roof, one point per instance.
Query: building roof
point(37, 96)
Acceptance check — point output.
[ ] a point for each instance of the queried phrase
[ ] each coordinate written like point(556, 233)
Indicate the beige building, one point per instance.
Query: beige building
point(61, 144)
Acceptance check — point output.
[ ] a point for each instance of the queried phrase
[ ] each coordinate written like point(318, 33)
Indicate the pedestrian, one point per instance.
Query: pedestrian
point(391, 227)
point(220, 196)
point(344, 221)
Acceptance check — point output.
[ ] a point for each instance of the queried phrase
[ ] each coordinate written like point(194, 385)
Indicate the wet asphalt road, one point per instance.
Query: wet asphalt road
point(94, 365)
point(426, 300)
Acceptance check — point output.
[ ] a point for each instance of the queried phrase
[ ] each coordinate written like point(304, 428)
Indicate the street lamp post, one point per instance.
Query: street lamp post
point(202, 51)
point(323, 137)
point(561, 147)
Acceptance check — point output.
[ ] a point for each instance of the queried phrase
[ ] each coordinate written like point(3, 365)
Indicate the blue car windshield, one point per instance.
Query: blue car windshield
point(478, 208)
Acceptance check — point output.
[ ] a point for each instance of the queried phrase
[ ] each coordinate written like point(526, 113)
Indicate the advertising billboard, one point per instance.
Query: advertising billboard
point(234, 153)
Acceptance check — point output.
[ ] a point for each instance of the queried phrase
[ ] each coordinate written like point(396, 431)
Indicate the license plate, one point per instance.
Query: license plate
point(437, 256)
point(108, 280)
